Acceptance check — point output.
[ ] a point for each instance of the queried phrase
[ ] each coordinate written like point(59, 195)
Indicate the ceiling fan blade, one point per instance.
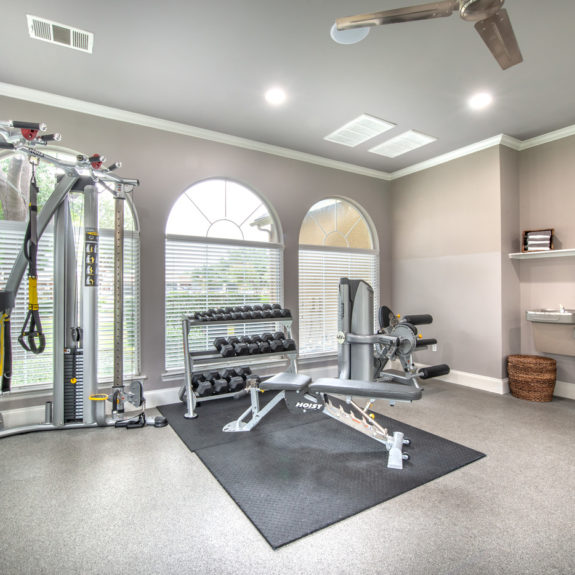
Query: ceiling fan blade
point(497, 33)
point(421, 12)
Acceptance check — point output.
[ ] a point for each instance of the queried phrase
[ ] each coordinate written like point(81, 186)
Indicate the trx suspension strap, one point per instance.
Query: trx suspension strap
point(32, 327)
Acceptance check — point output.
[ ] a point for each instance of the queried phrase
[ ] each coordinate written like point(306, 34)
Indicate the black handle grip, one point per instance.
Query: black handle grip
point(425, 342)
point(433, 371)
point(29, 125)
point(420, 319)
point(6, 146)
point(6, 374)
point(51, 138)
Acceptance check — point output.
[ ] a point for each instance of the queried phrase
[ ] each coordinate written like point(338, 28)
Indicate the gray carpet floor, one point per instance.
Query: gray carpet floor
point(114, 501)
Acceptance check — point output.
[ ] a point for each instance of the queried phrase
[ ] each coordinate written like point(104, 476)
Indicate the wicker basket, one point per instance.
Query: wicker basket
point(532, 377)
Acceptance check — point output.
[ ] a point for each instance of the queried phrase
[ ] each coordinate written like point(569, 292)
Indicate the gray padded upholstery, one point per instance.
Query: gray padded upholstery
point(286, 382)
point(374, 389)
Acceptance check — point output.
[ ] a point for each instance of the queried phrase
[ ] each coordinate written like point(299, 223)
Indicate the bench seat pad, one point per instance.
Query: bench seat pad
point(285, 382)
point(372, 389)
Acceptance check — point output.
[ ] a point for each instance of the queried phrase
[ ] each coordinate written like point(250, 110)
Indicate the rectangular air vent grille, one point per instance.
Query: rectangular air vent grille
point(402, 144)
point(359, 130)
point(56, 33)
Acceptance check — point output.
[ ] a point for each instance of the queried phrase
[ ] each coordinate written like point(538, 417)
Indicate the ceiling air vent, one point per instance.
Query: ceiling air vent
point(56, 33)
point(402, 144)
point(359, 130)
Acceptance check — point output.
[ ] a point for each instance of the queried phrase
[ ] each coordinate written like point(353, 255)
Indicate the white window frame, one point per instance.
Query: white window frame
point(320, 269)
point(182, 254)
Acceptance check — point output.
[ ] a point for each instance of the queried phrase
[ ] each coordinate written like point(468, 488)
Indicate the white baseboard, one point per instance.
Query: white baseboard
point(23, 416)
point(482, 382)
point(501, 386)
point(564, 389)
point(165, 396)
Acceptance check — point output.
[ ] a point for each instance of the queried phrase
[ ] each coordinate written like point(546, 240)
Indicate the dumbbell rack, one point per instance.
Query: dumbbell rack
point(207, 358)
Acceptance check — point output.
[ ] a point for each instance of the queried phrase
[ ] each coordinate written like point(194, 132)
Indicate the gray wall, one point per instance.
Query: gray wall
point(510, 243)
point(166, 164)
point(444, 233)
point(547, 181)
point(447, 259)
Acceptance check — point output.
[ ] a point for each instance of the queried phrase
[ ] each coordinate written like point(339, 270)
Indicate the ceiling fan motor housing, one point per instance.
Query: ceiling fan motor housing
point(473, 10)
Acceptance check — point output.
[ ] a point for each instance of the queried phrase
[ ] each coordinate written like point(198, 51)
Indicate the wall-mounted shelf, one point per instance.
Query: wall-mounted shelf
point(541, 255)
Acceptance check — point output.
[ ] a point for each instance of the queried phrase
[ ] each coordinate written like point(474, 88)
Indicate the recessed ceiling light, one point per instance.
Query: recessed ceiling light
point(359, 130)
point(403, 143)
point(480, 100)
point(275, 96)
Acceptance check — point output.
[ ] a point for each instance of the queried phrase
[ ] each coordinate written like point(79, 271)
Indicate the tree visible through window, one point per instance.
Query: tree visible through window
point(222, 250)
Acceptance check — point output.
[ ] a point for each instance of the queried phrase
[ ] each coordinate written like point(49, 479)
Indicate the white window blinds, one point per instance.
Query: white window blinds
point(29, 369)
point(203, 274)
point(320, 270)
point(33, 370)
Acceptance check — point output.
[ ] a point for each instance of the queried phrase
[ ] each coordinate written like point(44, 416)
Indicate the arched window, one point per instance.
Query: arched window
point(222, 250)
point(336, 240)
point(29, 370)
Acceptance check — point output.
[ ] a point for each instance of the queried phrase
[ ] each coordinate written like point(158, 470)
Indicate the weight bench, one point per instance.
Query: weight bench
point(303, 396)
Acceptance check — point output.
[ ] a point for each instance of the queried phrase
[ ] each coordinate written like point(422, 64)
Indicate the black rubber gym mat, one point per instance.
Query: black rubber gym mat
point(206, 429)
point(293, 480)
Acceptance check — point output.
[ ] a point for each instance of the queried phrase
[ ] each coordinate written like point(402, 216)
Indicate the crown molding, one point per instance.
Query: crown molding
point(500, 140)
point(57, 101)
point(546, 138)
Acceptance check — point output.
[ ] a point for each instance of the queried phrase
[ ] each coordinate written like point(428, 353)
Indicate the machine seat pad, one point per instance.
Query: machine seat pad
point(373, 389)
point(286, 382)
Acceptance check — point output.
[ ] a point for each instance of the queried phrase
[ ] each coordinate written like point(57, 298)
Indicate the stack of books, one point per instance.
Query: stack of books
point(537, 241)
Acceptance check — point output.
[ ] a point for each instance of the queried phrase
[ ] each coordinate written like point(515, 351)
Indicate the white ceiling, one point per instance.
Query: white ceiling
point(207, 64)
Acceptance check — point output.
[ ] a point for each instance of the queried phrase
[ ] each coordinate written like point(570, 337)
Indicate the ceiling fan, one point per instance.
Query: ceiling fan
point(491, 21)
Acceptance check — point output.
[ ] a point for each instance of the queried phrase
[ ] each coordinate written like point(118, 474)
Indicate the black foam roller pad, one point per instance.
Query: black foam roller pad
point(420, 319)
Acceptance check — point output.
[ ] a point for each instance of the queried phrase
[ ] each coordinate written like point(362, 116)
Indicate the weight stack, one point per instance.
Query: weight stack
point(73, 385)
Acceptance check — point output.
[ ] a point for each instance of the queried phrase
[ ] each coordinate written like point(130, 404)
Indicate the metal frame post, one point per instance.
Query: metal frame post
point(90, 302)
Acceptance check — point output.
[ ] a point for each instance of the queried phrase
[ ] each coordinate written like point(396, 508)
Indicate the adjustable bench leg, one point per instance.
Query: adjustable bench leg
point(395, 457)
point(360, 420)
point(255, 411)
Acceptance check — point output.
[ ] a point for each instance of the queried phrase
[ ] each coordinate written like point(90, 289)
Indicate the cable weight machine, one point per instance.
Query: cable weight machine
point(76, 401)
